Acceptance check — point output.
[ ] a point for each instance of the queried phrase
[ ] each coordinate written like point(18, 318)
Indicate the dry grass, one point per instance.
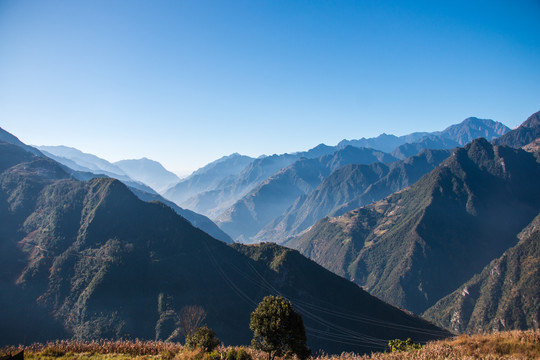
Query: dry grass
point(515, 345)
point(518, 345)
point(103, 347)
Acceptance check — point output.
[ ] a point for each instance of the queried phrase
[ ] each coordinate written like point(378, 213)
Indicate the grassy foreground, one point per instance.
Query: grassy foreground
point(502, 345)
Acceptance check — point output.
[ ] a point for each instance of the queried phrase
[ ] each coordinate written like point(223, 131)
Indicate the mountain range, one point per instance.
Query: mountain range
point(213, 196)
point(91, 164)
point(257, 215)
point(461, 134)
point(90, 260)
point(278, 192)
point(142, 191)
point(421, 243)
point(442, 224)
point(348, 188)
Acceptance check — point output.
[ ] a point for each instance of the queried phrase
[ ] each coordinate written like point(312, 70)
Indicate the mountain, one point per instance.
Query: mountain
point(149, 172)
point(427, 142)
point(504, 296)
point(86, 162)
point(384, 142)
point(143, 192)
point(523, 135)
point(473, 128)
point(208, 177)
point(231, 189)
point(454, 135)
point(278, 192)
point(348, 188)
point(12, 139)
point(197, 220)
point(421, 243)
point(90, 260)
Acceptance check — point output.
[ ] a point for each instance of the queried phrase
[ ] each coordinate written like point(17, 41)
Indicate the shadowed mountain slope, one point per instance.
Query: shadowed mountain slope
point(274, 195)
point(197, 220)
point(419, 244)
point(12, 139)
point(504, 296)
point(523, 135)
point(97, 262)
point(350, 187)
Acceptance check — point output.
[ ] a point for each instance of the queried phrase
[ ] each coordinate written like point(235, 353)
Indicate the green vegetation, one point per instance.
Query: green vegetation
point(278, 329)
point(504, 296)
point(398, 345)
point(515, 345)
point(420, 244)
point(237, 354)
point(203, 338)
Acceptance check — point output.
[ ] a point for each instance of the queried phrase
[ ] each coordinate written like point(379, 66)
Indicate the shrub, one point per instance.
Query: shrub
point(167, 355)
point(398, 345)
point(53, 352)
point(237, 354)
point(204, 338)
point(214, 355)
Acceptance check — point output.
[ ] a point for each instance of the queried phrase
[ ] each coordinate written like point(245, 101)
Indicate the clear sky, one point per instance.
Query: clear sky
point(187, 81)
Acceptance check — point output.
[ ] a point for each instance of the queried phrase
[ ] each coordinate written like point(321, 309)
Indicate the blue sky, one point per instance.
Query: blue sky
point(185, 82)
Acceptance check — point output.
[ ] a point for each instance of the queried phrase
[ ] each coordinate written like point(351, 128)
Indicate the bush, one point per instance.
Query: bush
point(398, 345)
point(204, 338)
point(53, 352)
point(214, 355)
point(167, 355)
point(237, 354)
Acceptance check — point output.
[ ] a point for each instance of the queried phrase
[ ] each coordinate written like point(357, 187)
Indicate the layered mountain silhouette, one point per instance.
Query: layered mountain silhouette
point(90, 260)
point(420, 244)
point(384, 142)
point(427, 142)
point(90, 164)
point(504, 296)
point(347, 188)
point(142, 191)
point(208, 177)
point(149, 172)
point(231, 189)
point(214, 194)
point(274, 195)
point(84, 161)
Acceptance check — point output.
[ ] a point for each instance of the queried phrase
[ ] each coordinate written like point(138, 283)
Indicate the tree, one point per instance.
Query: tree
point(188, 320)
point(278, 329)
point(204, 338)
